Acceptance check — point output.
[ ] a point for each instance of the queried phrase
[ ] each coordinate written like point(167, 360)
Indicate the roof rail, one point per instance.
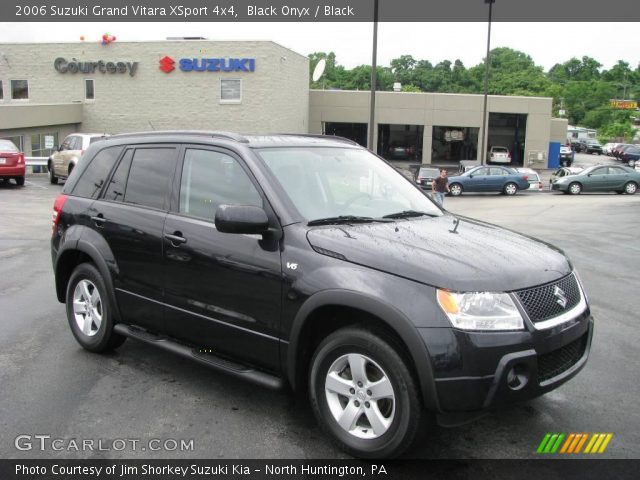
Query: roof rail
point(315, 135)
point(203, 133)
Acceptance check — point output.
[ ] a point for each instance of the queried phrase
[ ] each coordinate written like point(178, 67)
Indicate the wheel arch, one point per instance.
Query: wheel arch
point(330, 310)
point(85, 251)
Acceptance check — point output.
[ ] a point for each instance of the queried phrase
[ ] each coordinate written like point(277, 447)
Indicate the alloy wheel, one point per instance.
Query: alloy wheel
point(87, 307)
point(360, 396)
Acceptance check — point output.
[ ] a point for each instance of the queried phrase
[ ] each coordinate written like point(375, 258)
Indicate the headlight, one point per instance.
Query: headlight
point(480, 310)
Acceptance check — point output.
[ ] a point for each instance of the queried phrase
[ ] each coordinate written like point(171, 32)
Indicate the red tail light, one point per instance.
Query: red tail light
point(57, 212)
point(21, 158)
point(81, 152)
point(509, 156)
point(525, 177)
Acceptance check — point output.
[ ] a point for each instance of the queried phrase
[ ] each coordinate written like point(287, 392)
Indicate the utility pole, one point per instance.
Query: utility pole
point(485, 127)
point(374, 77)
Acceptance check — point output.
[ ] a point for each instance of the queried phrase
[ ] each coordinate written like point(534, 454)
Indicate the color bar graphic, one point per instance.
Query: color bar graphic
point(554, 442)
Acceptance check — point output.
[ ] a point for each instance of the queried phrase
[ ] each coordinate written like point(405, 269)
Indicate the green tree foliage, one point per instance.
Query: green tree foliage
point(579, 86)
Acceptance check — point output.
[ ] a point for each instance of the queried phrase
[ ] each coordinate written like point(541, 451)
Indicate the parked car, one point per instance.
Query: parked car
point(566, 156)
point(533, 177)
point(308, 261)
point(12, 163)
point(489, 179)
point(600, 178)
point(631, 155)
point(590, 146)
point(499, 155)
point(620, 149)
point(425, 176)
point(607, 148)
point(401, 152)
point(563, 172)
point(66, 156)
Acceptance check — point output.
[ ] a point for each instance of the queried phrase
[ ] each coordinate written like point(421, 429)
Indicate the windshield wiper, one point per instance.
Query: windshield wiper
point(409, 214)
point(343, 219)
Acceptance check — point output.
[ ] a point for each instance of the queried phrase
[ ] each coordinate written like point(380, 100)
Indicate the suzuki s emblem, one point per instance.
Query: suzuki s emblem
point(561, 297)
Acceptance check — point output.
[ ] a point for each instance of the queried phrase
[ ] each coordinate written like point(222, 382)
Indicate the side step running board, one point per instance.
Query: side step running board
point(208, 359)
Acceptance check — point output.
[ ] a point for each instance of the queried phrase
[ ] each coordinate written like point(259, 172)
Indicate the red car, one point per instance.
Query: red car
point(11, 162)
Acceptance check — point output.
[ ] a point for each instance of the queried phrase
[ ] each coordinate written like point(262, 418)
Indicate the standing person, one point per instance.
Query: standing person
point(440, 187)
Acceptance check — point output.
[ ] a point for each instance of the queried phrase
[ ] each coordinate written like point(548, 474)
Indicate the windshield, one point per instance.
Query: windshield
point(326, 182)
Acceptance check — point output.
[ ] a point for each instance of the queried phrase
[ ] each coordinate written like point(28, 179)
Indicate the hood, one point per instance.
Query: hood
point(479, 257)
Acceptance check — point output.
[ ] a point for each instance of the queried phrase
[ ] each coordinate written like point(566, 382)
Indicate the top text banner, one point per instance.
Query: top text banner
point(319, 11)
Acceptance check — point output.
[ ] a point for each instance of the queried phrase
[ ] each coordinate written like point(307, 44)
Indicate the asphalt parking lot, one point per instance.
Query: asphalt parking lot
point(50, 386)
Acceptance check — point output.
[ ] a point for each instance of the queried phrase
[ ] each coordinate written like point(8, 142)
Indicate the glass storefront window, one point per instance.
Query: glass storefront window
point(400, 142)
point(454, 143)
point(39, 144)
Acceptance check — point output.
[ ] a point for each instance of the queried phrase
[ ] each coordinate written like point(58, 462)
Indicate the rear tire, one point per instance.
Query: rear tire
point(363, 394)
point(19, 181)
point(510, 189)
point(89, 310)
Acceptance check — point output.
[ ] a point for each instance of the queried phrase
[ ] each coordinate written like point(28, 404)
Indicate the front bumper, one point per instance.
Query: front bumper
point(480, 370)
point(559, 186)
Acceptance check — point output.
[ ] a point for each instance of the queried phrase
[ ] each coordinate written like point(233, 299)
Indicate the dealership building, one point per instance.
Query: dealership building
point(48, 91)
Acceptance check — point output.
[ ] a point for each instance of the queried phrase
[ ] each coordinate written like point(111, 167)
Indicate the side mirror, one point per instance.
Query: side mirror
point(241, 219)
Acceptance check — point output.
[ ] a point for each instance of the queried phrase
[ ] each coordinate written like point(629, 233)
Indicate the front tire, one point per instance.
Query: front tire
point(363, 394)
point(630, 188)
point(52, 175)
point(575, 188)
point(455, 190)
point(510, 189)
point(89, 310)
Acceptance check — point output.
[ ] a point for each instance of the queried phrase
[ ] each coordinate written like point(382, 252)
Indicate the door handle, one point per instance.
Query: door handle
point(99, 220)
point(176, 238)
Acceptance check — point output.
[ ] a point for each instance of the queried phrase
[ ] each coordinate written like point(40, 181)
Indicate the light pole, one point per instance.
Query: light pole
point(374, 76)
point(485, 127)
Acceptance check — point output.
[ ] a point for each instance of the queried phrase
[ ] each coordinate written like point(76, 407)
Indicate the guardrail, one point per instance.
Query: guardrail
point(36, 161)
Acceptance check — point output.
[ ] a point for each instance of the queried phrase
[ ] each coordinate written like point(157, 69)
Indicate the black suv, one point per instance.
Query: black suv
point(590, 146)
point(308, 261)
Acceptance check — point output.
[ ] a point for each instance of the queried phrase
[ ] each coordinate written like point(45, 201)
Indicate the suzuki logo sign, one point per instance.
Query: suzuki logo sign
point(208, 64)
point(166, 64)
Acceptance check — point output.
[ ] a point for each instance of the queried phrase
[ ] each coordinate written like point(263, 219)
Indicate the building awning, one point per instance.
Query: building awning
point(39, 115)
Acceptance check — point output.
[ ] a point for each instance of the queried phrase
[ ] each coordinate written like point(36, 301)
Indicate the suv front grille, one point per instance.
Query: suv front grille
point(558, 361)
point(541, 303)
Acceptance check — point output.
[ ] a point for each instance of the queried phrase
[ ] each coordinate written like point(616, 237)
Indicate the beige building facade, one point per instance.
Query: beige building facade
point(59, 88)
point(48, 91)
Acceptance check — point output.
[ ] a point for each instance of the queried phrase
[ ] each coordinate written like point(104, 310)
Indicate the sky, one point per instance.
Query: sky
point(546, 43)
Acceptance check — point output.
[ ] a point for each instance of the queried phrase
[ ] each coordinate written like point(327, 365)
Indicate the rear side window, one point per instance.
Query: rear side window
point(150, 175)
point(118, 183)
point(96, 173)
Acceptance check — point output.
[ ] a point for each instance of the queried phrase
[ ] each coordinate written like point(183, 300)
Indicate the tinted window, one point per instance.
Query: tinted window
point(149, 176)
point(96, 173)
point(480, 171)
point(599, 171)
point(498, 171)
point(118, 183)
point(210, 179)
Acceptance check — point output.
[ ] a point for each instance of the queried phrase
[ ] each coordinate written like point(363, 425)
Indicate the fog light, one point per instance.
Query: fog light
point(517, 377)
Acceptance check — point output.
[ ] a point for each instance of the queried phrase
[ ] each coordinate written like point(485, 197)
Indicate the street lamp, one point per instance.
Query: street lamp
point(374, 76)
point(485, 127)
